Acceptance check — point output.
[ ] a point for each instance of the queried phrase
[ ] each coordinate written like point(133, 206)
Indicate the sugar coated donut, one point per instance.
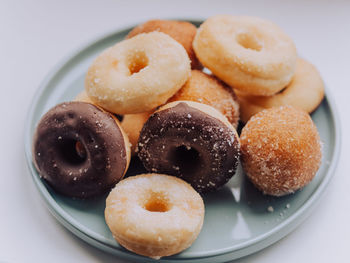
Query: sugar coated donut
point(190, 140)
point(305, 92)
point(281, 150)
point(138, 74)
point(132, 125)
point(207, 89)
point(154, 215)
point(80, 150)
point(248, 53)
point(183, 32)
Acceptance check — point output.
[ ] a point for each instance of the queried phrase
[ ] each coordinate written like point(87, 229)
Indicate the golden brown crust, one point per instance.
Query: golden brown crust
point(281, 150)
point(132, 125)
point(207, 89)
point(183, 32)
point(305, 92)
point(126, 142)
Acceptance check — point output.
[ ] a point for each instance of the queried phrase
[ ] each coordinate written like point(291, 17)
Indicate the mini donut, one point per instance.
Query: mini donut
point(207, 89)
point(80, 150)
point(305, 92)
point(190, 140)
point(132, 125)
point(281, 150)
point(154, 215)
point(138, 74)
point(248, 53)
point(183, 32)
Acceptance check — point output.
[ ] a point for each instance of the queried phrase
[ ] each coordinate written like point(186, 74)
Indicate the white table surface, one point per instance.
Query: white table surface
point(35, 35)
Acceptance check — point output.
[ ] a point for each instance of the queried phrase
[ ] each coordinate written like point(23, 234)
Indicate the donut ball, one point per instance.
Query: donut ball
point(154, 215)
point(207, 89)
point(132, 125)
point(192, 141)
point(305, 92)
point(80, 150)
point(248, 53)
point(138, 74)
point(281, 150)
point(183, 32)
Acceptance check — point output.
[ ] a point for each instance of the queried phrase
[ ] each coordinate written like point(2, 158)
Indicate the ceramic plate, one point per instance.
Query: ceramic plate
point(238, 221)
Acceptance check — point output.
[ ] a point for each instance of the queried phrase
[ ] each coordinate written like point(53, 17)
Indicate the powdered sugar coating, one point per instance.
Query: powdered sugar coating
point(281, 150)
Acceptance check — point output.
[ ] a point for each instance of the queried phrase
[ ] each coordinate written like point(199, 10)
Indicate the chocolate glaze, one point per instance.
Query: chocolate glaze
point(79, 150)
point(188, 143)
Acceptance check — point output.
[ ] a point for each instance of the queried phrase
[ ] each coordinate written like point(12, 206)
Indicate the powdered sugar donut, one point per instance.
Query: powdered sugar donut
point(248, 53)
point(138, 74)
point(305, 92)
point(154, 215)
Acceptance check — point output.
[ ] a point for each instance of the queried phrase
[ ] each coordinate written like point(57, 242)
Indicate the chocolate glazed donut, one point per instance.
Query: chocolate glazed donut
point(80, 150)
point(192, 141)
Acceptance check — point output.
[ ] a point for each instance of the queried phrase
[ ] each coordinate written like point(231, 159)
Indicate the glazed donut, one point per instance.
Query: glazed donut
point(154, 215)
point(132, 125)
point(138, 74)
point(250, 54)
point(80, 150)
point(207, 89)
point(190, 140)
point(183, 32)
point(281, 150)
point(305, 92)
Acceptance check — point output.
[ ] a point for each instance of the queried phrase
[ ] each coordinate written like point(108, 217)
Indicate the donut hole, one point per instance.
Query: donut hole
point(157, 202)
point(249, 41)
point(72, 151)
point(185, 159)
point(137, 61)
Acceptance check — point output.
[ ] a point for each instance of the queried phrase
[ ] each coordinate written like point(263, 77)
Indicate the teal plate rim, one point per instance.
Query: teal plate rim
point(244, 248)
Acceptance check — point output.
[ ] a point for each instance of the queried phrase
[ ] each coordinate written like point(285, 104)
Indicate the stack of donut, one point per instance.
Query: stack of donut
point(181, 122)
